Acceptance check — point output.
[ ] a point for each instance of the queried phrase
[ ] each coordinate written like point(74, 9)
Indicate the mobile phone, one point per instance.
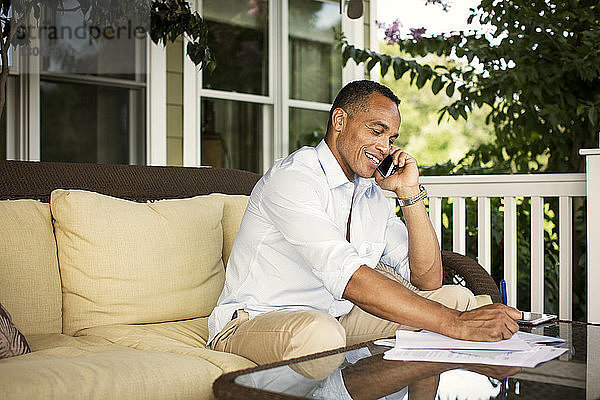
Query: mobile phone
point(531, 318)
point(386, 166)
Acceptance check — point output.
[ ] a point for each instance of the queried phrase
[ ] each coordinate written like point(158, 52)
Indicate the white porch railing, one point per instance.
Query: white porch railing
point(509, 187)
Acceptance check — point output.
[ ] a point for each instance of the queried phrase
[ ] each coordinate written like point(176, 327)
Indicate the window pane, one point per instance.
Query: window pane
point(116, 50)
point(232, 133)
point(238, 36)
point(307, 127)
point(91, 123)
point(315, 63)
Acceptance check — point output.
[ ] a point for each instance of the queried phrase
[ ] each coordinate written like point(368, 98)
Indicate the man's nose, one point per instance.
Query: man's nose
point(383, 146)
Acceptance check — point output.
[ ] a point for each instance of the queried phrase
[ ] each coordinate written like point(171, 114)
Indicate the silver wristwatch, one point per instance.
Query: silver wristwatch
point(415, 199)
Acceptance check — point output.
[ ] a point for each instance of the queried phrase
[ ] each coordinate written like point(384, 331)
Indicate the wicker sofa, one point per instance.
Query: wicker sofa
point(112, 285)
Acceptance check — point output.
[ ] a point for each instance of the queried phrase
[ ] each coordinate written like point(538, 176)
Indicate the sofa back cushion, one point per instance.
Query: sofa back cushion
point(123, 262)
point(29, 277)
point(233, 210)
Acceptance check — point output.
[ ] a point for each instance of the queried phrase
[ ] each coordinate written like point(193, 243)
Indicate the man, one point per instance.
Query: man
point(301, 277)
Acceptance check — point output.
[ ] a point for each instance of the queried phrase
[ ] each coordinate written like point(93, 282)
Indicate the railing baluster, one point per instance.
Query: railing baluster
point(435, 214)
point(484, 233)
point(458, 225)
point(537, 254)
point(510, 248)
point(592, 178)
point(565, 293)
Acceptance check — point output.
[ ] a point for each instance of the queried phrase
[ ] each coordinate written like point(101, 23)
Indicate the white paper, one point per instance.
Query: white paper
point(532, 338)
point(521, 350)
point(435, 341)
point(529, 358)
point(529, 338)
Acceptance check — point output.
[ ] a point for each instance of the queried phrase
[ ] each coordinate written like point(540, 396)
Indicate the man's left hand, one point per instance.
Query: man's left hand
point(405, 181)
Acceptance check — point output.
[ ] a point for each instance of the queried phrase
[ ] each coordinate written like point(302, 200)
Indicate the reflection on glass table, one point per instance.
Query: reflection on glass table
point(362, 373)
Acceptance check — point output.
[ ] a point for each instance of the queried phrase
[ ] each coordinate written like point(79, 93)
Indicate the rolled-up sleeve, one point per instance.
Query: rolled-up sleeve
point(296, 207)
point(395, 253)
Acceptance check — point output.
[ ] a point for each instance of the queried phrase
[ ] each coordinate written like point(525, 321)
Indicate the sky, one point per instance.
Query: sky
point(417, 14)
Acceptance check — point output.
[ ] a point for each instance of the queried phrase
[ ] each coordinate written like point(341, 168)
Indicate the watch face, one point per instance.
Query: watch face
point(387, 167)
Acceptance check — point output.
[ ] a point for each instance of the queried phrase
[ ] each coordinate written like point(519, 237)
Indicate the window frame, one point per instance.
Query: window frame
point(278, 102)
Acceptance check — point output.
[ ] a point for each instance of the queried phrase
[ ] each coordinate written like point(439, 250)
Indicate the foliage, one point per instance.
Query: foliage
point(420, 134)
point(538, 69)
point(170, 19)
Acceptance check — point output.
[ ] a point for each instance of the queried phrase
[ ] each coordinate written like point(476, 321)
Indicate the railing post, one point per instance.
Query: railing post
point(510, 249)
point(592, 170)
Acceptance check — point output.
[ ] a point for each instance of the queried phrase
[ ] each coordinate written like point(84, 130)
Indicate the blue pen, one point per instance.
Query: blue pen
point(503, 291)
point(504, 387)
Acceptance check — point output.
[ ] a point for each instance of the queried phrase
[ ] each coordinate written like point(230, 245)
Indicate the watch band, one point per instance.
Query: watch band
point(415, 199)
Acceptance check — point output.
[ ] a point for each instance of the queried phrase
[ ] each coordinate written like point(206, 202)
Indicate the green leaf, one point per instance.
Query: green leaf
point(347, 53)
point(421, 79)
point(437, 85)
point(443, 111)
point(372, 62)
point(450, 90)
point(453, 112)
point(593, 116)
point(384, 63)
point(400, 68)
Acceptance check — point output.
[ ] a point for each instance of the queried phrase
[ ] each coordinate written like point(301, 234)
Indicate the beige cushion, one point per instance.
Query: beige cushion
point(233, 211)
point(48, 341)
point(123, 262)
point(181, 337)
point(107, 371)
point(29, 279)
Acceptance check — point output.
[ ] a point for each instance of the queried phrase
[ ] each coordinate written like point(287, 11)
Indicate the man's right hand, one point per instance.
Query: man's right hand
point(489, 323)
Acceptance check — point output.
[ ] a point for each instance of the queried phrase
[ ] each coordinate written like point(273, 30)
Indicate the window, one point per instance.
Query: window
point(92, 93)
point(315, 63)
point(315, 69)
point(232, 134)
point(239, 37)
point(87, 122)
point(307, 127)
point(278, 71)
point(236, 107)
point(79, 97)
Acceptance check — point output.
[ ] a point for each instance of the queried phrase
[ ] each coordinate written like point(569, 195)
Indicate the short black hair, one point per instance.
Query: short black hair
point(355, 95)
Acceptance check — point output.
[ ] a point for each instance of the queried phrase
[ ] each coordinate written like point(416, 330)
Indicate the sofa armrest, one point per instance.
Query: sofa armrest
point(463, 270)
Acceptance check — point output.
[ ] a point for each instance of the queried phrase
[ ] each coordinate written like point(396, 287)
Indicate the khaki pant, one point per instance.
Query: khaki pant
point(281, 335)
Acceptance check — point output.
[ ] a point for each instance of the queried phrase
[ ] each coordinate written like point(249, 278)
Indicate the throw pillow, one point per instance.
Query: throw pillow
point(29, 278)
point(123, 262)
point(12, 341)
point(233, 211)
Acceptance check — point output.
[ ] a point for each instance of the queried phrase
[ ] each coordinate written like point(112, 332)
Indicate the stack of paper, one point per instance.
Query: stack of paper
point(521, 350)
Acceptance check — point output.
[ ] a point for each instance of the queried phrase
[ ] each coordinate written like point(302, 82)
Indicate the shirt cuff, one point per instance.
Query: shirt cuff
point(341, 281)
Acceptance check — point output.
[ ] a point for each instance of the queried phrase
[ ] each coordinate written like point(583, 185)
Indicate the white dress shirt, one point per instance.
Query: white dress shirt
point(291, 251)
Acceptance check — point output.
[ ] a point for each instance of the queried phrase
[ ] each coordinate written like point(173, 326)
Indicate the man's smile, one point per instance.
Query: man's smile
point(374, 159)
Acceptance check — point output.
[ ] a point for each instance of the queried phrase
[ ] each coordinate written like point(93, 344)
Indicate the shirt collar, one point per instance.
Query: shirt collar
point(333, 171)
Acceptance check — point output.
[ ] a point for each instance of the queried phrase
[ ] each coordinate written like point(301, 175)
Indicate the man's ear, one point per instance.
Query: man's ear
point(339, 118)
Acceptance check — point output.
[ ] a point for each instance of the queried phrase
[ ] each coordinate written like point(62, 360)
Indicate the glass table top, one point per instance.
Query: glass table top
point(362, 373)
